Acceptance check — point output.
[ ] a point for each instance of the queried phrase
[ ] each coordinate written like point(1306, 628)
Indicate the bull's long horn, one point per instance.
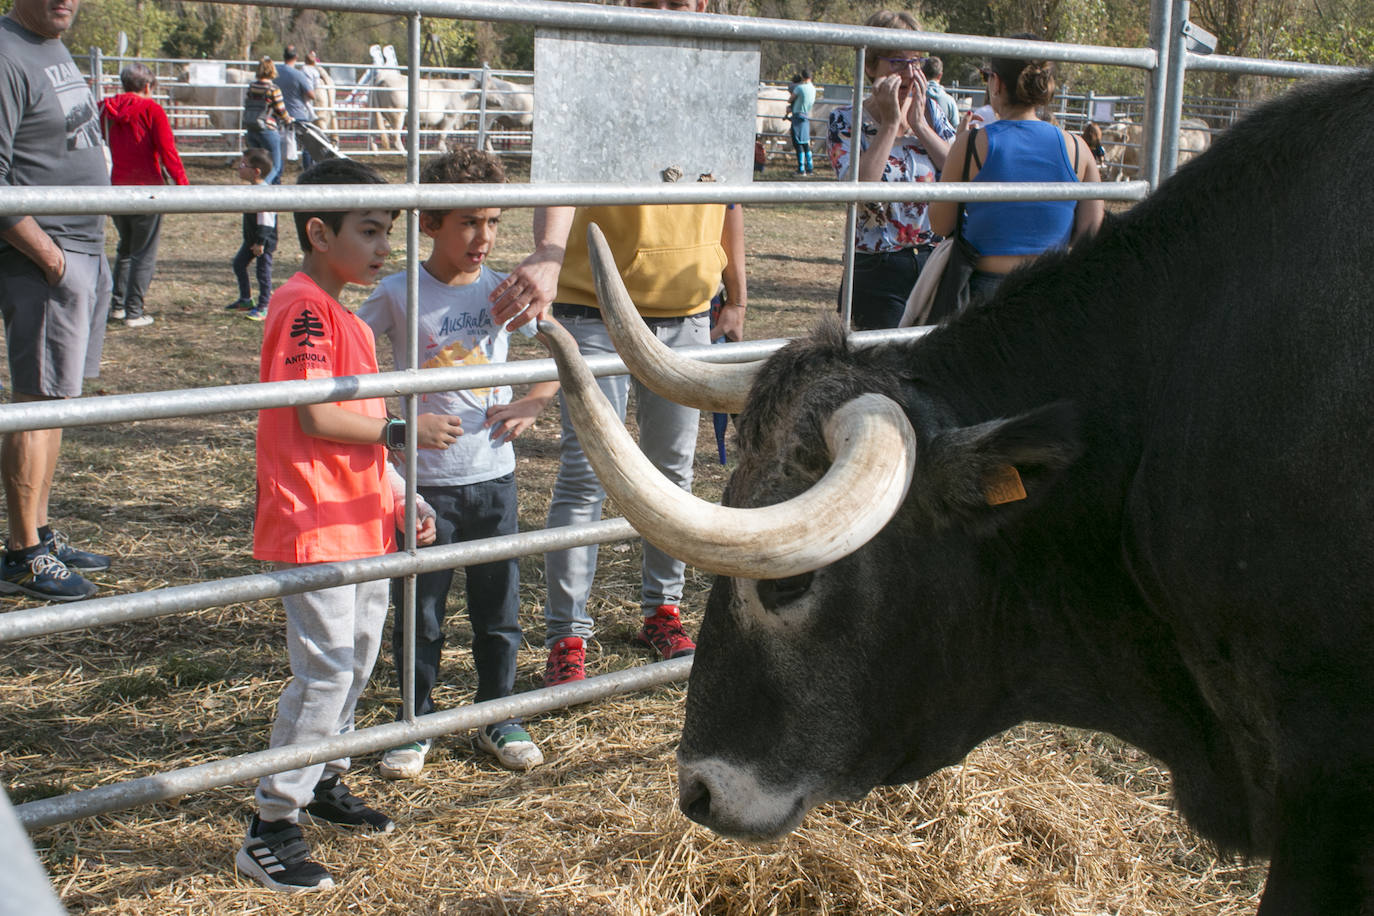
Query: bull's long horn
point(721, 387)
point(871, 443)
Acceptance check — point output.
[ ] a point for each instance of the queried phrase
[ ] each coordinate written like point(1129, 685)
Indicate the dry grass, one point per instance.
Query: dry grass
point(1041, 820)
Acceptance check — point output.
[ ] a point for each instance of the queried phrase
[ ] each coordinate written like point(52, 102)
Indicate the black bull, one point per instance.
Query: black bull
point(1188, 401)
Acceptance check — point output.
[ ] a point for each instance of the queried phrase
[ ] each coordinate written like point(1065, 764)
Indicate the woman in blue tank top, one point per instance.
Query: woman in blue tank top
point(1018, 146)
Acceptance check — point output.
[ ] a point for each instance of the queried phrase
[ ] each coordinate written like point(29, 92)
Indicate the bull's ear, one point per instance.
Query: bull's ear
point(976, 476)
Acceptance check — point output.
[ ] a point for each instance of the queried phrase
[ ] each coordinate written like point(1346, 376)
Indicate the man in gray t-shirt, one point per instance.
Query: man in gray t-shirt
point(55, 279)
point(297, 92)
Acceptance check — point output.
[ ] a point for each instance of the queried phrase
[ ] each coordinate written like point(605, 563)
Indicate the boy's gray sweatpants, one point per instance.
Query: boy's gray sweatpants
point(332, 638)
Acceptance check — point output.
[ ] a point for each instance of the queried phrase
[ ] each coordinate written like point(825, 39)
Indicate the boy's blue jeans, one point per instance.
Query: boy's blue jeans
point(242, 259)
point(466, 512)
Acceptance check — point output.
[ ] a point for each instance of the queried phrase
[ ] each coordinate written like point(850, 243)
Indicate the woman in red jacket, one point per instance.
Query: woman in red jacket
point(143, 152)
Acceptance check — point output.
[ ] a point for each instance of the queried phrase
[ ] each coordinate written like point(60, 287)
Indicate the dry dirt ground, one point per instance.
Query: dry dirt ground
point(1041, 820)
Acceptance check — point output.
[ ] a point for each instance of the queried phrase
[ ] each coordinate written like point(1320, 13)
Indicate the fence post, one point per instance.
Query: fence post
point(406, 665)
point(1161, 27)
point(97, 74)
point(1172, 111)
point(482, 107)
point(851, 221)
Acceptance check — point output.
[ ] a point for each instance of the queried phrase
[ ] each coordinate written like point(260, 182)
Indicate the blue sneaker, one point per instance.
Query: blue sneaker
point(256, 314)
point(43, 576)
point(72, 558)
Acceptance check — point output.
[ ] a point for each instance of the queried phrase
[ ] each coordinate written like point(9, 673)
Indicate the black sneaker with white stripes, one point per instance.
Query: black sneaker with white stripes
point(275, 854)
point(334, 804)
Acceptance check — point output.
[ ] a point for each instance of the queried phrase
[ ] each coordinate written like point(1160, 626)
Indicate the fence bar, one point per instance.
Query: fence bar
point(122, 199)
point(1222, 63)
point(194, 402)
point(148, 789)
point(555, 14)
point(60, 618)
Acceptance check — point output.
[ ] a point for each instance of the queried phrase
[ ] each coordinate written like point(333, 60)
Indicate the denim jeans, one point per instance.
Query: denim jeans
point(668, 438)
point(242, 259)
point(466, 512)
point(882, 284)
point(269, 140)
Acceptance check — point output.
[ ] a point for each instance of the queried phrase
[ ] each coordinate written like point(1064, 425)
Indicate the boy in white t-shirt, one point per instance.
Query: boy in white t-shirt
point(471, 485)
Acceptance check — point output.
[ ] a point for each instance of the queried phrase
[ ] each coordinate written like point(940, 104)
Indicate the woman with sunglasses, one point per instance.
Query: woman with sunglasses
point(1018, 146)
point(904, 137)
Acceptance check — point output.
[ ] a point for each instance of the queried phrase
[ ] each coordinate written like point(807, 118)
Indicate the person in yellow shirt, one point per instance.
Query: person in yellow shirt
point(673, 259)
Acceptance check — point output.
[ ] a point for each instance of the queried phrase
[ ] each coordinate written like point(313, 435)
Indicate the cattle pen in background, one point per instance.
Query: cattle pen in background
point(204, 102)
point(1165, 63)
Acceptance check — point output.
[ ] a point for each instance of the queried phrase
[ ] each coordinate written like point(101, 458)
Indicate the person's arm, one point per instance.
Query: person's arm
point(528, 291)
point(943, 213)
point(934, 132)
point(29, 239)
point(1087, 214)
point(507, 421)
point(424, 513)
point(278, 103)
point(166, 146)
point(890, 112)
point(338, 424)
point(730, 321)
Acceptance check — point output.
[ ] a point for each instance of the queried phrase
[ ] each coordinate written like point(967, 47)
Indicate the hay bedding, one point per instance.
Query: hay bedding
point(1042, 820)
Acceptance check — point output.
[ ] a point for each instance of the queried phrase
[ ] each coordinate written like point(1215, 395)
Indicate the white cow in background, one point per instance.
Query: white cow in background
point(442, 105)
point(773, 111)
point(510, 106)
point(222, 102)
point(1122, 142)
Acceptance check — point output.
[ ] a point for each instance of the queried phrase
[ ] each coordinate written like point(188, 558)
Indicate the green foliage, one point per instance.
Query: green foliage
point(192, 38)
point(451, 42)
point(99, 22)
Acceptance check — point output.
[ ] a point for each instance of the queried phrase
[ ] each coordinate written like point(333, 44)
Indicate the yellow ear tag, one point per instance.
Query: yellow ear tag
point(1003, 485)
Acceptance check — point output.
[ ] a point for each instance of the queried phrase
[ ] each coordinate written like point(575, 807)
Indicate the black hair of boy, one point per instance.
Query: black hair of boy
point(332, 171)
point(259, 159)
point(460, 165)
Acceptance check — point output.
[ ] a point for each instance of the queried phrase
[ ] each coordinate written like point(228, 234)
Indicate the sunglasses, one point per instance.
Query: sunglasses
point(985, 73)
point(898, 63)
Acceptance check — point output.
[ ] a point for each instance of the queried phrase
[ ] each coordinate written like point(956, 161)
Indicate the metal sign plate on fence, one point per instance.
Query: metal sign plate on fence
point(206, 73)
point(623, 109)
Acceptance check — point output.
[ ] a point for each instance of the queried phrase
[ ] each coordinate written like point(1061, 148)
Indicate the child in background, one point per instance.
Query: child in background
point(324, 495)
point(472, 484)
point(259, 240)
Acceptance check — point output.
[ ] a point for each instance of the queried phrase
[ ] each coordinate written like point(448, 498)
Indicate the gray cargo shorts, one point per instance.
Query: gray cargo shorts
point(54, 333)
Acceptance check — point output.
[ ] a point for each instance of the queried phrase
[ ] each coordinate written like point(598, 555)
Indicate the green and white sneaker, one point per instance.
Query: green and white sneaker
point(406, 761)
point(511, 745)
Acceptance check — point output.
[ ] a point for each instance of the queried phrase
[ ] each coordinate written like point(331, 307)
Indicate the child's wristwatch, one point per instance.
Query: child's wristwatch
point(394, 433)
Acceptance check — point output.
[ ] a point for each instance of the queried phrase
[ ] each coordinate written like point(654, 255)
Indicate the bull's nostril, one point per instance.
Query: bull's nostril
point(694, 799)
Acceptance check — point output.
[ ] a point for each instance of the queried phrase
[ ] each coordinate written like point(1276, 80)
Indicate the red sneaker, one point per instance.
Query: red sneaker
point(663, 633)
point(567, 662)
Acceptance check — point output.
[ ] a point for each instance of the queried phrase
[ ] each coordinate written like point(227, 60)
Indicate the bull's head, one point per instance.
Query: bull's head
point(800, 692)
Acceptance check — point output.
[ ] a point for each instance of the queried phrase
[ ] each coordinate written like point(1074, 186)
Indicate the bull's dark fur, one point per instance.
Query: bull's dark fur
point(1190, 401)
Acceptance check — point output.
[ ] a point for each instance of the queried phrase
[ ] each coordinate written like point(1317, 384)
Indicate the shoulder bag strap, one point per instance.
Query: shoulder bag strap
point(963, 176)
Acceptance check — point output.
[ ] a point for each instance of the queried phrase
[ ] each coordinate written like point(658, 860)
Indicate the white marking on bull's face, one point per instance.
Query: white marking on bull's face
point(732, 801)
point(785, 620)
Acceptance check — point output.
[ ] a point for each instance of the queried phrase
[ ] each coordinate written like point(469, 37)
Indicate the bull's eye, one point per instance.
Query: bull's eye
point(775, 593)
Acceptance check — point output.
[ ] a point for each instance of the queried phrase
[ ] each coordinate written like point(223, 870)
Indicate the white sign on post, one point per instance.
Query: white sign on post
point(205, 73)
point(630, 108)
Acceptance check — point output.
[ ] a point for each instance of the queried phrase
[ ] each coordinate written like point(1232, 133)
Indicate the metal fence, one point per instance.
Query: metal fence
point(1164, 63)
point(360, 106)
